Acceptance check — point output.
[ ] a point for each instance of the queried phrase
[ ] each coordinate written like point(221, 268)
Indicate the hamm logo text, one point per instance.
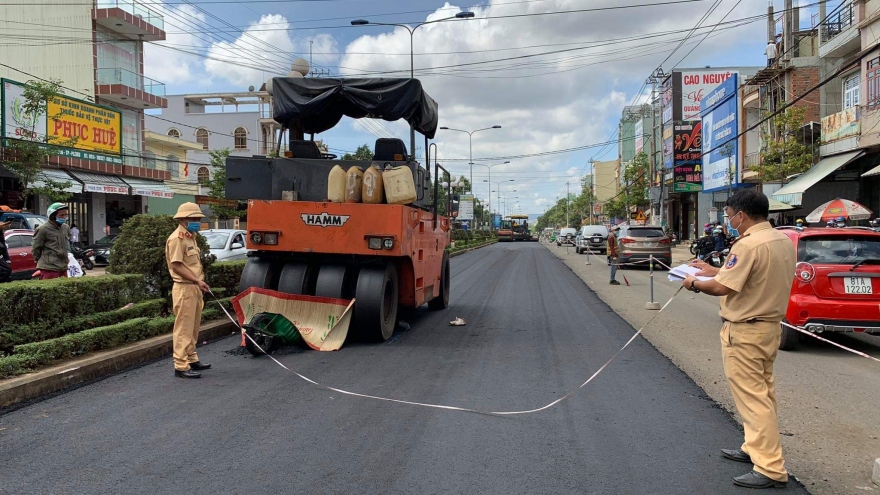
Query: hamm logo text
point(325, 219)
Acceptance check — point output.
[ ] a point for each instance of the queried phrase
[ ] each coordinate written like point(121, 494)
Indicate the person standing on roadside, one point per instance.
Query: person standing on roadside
point(754, 286)
point(185, 266)
point(74, 235)
point(52, 242)
point(612, 255)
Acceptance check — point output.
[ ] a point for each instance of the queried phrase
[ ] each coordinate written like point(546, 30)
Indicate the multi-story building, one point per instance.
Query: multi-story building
point(605, 184)
point(104, 83)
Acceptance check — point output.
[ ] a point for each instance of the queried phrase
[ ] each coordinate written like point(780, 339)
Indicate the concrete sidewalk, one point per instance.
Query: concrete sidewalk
point(828, 398)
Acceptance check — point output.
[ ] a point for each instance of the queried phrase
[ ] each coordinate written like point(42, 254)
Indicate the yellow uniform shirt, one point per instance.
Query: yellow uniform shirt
point(760, 269)
point(181, 246)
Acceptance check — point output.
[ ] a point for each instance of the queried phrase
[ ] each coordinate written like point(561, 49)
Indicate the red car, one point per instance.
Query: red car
point(837, 282)
point(20, 253)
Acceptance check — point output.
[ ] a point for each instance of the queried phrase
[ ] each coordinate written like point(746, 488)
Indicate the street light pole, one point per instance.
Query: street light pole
point(412, 30)
point(471, 145)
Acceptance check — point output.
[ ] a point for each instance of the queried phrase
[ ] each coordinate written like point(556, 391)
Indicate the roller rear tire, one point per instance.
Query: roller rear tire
point(375, 309)
point(442, 300)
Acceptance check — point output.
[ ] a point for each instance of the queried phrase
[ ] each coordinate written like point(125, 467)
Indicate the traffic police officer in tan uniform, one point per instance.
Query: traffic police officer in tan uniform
point(754, 285)
point(185, 266)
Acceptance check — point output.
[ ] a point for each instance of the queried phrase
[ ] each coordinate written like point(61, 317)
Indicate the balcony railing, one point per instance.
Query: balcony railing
point(132, 80)
point(837, 21)
point(136, 9)
point(751, 160)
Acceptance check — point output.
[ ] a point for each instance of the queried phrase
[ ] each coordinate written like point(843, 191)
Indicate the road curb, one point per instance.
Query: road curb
point(72, 373)
point(457, 253)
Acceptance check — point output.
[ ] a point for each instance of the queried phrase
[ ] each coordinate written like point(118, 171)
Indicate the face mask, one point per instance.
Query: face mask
point(194, 226)
point(61, 221)
point(841, 225)
point(731, 228)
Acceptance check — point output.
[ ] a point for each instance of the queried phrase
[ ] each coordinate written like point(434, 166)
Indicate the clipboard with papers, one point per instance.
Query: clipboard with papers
point(679, 273)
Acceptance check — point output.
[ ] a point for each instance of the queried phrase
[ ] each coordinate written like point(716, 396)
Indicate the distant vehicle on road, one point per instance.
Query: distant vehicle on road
point(226, 244)
point(23, 221)
point(592, 237)
point(566, 236)
point(101, 249)
point(837, 282)
point(636, 242)
point(21, 255)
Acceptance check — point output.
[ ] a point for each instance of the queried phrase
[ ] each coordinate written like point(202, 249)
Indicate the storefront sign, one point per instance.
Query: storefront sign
point(153, 193)
point(720, 128)
point(84, 126)
point(666, 100)
point(78, 129)
point(687, 159)
point(689, 87)
point(106, 189)
point(841, 125)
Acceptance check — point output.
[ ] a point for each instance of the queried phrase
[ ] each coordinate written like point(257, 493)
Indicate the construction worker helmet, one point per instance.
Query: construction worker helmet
point(55, 208)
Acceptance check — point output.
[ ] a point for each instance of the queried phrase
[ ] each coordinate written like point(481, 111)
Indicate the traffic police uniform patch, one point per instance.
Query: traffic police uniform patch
point(731, 262)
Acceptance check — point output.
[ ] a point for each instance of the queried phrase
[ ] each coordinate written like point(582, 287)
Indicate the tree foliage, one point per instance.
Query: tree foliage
point(25, 157)
point(784, 153)
point(578, 213)
point(362, 153)
point(140, 248)
point(217, 185)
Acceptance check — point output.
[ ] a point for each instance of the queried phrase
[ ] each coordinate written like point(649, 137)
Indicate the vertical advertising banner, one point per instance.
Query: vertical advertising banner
point(666, 99)
point(640, 135)
point(466, 207)
point(688, 153)
point(695, 85)
point(720, 109)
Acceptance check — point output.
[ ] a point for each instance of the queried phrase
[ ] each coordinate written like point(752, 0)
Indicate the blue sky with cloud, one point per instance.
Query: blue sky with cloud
point(554, 78)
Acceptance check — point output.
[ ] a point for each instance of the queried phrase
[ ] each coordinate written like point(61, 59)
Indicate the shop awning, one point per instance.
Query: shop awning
point(58, 176)
point(151, 188)
point(100, 183)
point(793, 192)
point(873, 171)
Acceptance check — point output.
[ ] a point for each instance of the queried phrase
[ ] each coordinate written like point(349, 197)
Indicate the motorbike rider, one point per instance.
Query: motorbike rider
point(720, 239)
point(841, 222)
point(831, 224)
point(799, 223)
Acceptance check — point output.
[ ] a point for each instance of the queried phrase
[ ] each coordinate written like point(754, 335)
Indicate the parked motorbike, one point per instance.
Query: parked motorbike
point(715, 258)
point(86, 257)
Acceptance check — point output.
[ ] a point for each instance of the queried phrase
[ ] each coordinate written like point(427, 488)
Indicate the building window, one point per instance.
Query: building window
point(173, 165)
point(202, 138)
point(240, 138)
point(174, 133)
point(203, 175)
point(851, 92)
point(149, 159)
point(872, 79)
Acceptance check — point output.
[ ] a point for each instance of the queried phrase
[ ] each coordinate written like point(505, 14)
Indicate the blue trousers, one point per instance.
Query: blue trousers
point(613, 262)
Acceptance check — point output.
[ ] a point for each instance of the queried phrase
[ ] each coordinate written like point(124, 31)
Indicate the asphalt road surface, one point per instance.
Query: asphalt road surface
point(535, 331)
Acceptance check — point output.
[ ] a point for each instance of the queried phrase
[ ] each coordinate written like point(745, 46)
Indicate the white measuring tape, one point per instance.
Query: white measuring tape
point(454, 408)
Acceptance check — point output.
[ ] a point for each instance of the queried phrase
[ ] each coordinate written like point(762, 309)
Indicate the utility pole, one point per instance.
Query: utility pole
point(567, 195)
point(592, 186)
point(657, 165)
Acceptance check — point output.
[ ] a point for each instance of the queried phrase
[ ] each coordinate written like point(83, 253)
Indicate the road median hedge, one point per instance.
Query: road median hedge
point(27, 357)
point(51, 302)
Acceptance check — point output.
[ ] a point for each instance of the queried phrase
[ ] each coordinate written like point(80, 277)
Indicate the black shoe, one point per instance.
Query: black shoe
point(754, 479)
point(614, 282)
point(199, 366)
point(736, 455)
point(187, 374)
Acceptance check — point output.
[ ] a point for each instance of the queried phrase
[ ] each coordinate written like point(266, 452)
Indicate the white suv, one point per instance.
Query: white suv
point(592, 237)
point(566, 236)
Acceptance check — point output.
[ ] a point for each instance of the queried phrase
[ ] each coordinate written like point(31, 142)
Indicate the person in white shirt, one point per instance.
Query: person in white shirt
point(771, 53)
point(74, 235)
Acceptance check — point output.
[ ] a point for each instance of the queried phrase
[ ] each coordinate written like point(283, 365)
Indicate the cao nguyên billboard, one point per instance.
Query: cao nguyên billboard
point(687, 157)
point(720, 111)
point(80, 129)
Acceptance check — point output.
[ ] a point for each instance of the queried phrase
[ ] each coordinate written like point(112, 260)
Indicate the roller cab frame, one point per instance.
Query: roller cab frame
point(384, 256)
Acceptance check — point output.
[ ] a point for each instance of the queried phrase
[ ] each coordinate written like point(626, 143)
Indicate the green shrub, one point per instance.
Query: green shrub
point(140, 249)
point(43, 330)
point(225, 276)
point(51, 302)
point(28, 357)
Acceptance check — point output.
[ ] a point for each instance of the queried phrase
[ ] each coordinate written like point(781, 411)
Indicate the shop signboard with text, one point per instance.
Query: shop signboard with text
point(687, 157)
point(689, 87)
point(640, 135)
point(466, 207)
point(720, 112)
point(76, 128)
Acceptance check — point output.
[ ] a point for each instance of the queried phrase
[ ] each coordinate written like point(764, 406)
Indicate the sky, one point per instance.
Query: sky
point(554, 74)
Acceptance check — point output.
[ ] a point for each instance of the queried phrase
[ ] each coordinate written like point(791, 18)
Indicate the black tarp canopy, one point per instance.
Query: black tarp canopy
point(319, 104)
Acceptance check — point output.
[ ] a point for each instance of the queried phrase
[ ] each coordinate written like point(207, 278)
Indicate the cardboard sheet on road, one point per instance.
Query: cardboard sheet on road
point(321, 321)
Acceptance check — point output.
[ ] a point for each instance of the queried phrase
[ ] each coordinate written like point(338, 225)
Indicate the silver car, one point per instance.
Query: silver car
point(226, 244)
